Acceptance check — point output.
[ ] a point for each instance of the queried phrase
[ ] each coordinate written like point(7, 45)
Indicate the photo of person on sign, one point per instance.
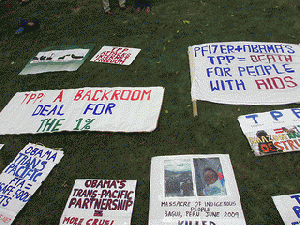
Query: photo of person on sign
point(209, 177)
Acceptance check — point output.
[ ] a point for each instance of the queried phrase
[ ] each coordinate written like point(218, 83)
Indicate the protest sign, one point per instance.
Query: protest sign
point(194, 190)
point(116, 55)
point(21, 178)
point(288, 207)
point(120, 109)
point(272, 132)
point(107, 202)
point(52, 59)
point(251, 73)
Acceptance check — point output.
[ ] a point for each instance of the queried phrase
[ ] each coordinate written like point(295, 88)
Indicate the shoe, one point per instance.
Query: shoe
point(27, 25)
point(138, 9)
point(148, 9)
point(109, 13)
point(24, 2)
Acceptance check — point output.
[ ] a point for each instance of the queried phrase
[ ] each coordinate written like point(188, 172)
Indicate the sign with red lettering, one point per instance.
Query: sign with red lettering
point(250, 73)
point(288, 207)
point(277, 131)
point(53, 59)
point(194, 190)
point(120, 109)
point(107, 202)
point(22, 177)
point(116, 55)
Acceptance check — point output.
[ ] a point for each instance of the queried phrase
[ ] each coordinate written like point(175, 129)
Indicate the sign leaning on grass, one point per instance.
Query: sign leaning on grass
point(116, 55)
point(53, 59)
point(251, 73)
point(288, 207)
point(194, 190)
point(100, 202)
point(119, 109)
point(277, 131)
point(22, 177)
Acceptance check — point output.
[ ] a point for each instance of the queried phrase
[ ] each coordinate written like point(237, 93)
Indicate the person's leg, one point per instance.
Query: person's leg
point(147, 5)
point(122, 3)
point(106, 5)
point(139, 7)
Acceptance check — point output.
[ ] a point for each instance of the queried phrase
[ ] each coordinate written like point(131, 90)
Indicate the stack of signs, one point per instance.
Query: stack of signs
point(277, 131)
point(116, 55)
point(288, 207)
point(121, 109)
point(107, 202)
point(194, 190)
point(52, 59)
point(21, 178)
point(253, 73)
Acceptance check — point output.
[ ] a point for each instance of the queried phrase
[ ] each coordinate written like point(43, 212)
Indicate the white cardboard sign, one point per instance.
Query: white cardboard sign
point(116, 55)
point(120, 109)
point(22, 177)
point(100, 202)
point(194, 190)
point(272, 132)
point(288, 207)
point(251, 73)
point(53, 59)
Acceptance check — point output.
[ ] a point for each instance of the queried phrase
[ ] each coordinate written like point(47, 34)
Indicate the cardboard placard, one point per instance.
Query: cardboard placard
point(100, 202)
point(277, 131)
point(53, 59)
point(120, 109)
point(194, 190)
point(22, 177)
point(251, 73)
point(116, 55)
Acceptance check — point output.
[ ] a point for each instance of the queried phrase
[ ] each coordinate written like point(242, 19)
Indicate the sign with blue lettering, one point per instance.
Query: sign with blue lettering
point(52, 59)
point(277, 131)
point(194, 190)
point(22, 177)
point(93, 201)
point(121, 109)
point(250, 73)
point(288, 207)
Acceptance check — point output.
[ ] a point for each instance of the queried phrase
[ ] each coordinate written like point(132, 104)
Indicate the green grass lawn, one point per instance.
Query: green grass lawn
point(163, 61)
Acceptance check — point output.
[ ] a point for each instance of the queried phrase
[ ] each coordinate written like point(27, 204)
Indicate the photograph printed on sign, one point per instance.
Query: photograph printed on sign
point(178, 178)
point(210, 179)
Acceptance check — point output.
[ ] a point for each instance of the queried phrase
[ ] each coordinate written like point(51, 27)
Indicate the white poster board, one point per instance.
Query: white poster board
point(22, 177)
point(116, 55)
point(272, 132)
point(194, 189)
point(120, 109)
point(100, 202)
point(288, 207)
point(53, 59)
point(251, 73)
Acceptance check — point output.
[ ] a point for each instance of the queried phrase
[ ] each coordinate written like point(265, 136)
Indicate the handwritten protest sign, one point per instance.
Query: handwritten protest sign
point(21, 178)
point(116, 55)
point(194, 190)
point(52, 59)
point(288, 207)
point(100, 202)
point(277, 131)
point(252, 73)
point(121, 109)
